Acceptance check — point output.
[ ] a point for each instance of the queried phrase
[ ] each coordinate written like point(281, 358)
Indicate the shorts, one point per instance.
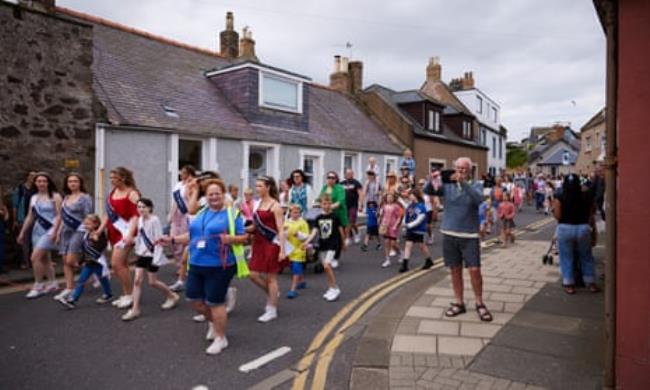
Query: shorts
point(209, 284)
point(457, 251)
point(326, 257)
point(372, 230)
point(508, 223)
point(146, 262)
point(297, 268)
point(414, 237)
point(352, 216)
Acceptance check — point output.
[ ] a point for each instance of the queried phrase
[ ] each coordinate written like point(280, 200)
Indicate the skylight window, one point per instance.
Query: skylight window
point(170, 111)
point(280, 93)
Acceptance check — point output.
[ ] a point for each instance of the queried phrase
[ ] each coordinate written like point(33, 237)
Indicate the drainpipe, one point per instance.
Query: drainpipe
point(610, 163)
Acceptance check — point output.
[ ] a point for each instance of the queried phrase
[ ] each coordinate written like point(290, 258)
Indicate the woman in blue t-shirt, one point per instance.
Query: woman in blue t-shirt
point(212, 263)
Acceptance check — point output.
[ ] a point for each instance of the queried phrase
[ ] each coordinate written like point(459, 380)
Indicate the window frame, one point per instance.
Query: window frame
point(479, 99)
point(356, 163)
point(282, 78)
point(391, 158)
point(319, 167)
point(467, 129)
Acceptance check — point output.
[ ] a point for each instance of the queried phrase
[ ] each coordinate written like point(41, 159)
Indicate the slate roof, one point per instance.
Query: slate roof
point(595, 120)
point(135, 74)
point(441, 92)
point(412, 96)
point(557, 157)
point(394, 98)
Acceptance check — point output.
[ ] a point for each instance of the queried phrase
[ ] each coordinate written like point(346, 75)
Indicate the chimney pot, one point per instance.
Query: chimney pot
point(229, 38)
point(344, 64)
point(247, 45)
point(337, 63)
point(434, 70)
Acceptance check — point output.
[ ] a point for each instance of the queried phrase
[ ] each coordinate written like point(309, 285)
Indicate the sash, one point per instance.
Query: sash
point(237, 249)
point(44, 222)
point(157, 252)
point(264, 230)
point(147, 242)
point(180, 202)
point(95, 255)
point(118, 222)
point(70, 220)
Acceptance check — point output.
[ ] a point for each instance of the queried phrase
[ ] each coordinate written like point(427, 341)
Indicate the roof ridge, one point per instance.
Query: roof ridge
point(132, 30)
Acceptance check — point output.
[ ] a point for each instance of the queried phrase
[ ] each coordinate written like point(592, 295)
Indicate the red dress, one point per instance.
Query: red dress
point(125, 209)
point(265, 253)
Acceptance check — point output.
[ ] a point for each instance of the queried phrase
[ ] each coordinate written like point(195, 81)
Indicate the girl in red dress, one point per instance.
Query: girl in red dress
point(120, 219)
point(268, 244)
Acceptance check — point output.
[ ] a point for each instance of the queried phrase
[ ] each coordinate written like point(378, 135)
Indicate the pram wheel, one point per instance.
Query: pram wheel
point(547, 259)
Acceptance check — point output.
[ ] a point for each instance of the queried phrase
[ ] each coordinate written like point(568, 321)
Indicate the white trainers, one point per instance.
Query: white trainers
point(198, 318)
point(63, 294)
point(332, 294)
point(177, 286)
point(231, 299)
point(118, 301)
point(210, 335)
point(357, 238)
point(334, 264)
point(130, 315)
point(392, 253)
point(385, 264)
point(218, 345)
point(270, 314)
point(51, 287)
point(170, 303)
point(127, 301)
point(36, 291)
point(348, 241)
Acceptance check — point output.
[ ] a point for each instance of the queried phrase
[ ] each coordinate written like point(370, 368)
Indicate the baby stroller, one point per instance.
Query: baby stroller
point(547, 259)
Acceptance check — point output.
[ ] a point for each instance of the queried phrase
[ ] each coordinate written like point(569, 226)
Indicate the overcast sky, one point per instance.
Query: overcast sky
point(542, 60)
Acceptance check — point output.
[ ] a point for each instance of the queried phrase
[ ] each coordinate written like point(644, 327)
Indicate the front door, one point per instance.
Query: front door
point(257, 162)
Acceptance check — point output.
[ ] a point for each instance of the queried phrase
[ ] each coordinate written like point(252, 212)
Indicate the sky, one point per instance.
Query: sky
point(542, 61)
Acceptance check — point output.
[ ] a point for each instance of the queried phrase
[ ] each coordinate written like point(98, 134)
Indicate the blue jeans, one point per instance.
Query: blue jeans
point(539, 200)
point(572, 241)
point(87, 270)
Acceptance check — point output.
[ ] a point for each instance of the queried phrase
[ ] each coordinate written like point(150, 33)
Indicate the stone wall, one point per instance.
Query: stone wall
point(46, 98)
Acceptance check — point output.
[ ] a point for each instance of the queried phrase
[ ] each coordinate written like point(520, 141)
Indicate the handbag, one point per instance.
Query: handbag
point(383, 229)
point(237, 249)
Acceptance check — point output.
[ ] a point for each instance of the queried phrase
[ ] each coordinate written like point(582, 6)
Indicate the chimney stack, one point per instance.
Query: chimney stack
point(434, 70)
point(356, 76)
point(340, 79)
point(229, 38)
point(468, 80)
point(247, 45)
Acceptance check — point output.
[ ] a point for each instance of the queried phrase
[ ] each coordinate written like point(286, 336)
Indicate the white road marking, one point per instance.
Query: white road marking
point(264, 359)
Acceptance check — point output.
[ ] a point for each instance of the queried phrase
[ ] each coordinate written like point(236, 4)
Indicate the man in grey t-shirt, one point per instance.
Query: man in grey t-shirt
point(459, 228)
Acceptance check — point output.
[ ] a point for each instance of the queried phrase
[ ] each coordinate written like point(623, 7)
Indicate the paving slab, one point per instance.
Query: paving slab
point(459, 345)
point(368, 378)
point(414, 344)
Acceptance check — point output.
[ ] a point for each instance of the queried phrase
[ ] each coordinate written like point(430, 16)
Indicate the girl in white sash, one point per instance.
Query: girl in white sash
point(44, 215)
point(121, 221)
point(150, 258)
point(76, 205)
point(178, 220)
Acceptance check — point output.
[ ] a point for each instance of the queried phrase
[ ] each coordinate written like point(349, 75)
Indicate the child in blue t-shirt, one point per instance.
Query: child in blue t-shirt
point(416, 228)
point(486, 218)
point(372, 226)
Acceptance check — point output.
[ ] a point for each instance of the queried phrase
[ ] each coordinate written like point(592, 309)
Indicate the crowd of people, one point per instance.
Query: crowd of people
point(213, 235)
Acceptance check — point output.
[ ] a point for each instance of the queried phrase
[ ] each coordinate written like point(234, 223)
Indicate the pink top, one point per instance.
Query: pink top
point(506, 210)
point(391, 215)
point(247, 210)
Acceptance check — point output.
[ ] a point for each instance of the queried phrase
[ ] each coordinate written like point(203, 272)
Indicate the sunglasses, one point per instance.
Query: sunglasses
point(331, 177)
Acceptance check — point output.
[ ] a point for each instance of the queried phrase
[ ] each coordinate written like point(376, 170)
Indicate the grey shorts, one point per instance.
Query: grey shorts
point(457, 251)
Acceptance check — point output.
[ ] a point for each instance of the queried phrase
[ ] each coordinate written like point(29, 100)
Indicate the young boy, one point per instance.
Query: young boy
point(297, 231)
point(330, 240)
point(372, 226)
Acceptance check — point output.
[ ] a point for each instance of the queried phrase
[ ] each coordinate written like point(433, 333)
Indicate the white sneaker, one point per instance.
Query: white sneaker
point(392, 253)
point(218, 345)
point(36, 291)
point(179, 285)
point(51, 287)
point(118, 301)
point(483, 244)
point(231, 299)
point(270, 314)
point(199, 318)
point(63, 294)
point(210, 335)
point(130, 315)
point(334, 264)
point(357, 238)
point(333, 294)
point(127, 301)
point(347, 241)
point(385, 264)
point(170, 303)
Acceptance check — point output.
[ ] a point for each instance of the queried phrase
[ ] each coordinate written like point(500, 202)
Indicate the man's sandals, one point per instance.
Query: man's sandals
point(456, 309)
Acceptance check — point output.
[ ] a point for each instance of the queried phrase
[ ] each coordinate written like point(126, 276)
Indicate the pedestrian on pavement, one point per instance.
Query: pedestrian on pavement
point(575, 211)
point(20, 198)
point(268, 245)
point(506, 213)
point(416, 229)
point(354, 204)
point(178, 220)
point(460, 238)
point(212, 263)
point(390, 218)
point(330, 233)
point(94, 262)
point(300, 192)
point(76, 205)
point(296, 231)
point(4, 222)
point(43, 219)
point(150, 258)
point(121, 221)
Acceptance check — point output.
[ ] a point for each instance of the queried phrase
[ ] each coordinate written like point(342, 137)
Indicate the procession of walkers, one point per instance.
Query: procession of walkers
point(212, 236)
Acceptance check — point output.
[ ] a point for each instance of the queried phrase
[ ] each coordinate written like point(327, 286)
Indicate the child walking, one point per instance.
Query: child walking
point(372, 226)
point(297, 232)
point(150, 258)
point(391, 217)
point(94, 263)
point(506, 213)
point(330, 241)
point(486, 218)
point(416, 229)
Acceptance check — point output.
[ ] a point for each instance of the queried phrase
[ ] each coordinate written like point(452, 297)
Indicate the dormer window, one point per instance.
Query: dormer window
point(280, 93)
point(434, 121)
